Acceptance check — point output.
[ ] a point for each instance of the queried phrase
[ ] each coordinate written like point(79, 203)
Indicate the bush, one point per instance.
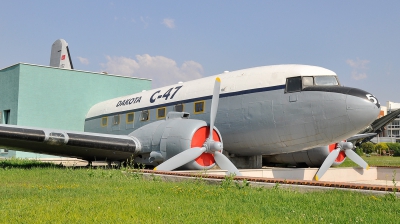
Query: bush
point(359, 151)
point(381, 147)
point(395, 147)
point(368, 147)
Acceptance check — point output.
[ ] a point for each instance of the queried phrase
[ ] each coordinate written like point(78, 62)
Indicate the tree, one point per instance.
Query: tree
point(368, 147)
point(395, 148)
point(381, 147)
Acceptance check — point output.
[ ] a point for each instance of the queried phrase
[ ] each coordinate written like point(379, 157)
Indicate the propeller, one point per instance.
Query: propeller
point(209, 146)
point(347, 147)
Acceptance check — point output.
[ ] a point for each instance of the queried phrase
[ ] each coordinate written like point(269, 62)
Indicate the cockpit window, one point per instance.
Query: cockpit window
point(308, 81)
point(296, 84)
point(326, 81)
point(293, 84)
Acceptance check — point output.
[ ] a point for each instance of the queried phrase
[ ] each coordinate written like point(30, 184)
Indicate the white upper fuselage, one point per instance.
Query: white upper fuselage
point(235, 81)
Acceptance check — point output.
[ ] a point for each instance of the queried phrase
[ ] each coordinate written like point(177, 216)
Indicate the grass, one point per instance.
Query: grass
point(374, 161)
point(63, 195)
point(25, 164)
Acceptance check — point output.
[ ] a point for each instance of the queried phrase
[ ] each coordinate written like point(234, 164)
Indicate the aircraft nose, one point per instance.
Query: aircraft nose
point(362, 108)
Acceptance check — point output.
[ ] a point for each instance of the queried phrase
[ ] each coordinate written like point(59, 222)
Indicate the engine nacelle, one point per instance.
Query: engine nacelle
point(164, 139)
point(312, 158)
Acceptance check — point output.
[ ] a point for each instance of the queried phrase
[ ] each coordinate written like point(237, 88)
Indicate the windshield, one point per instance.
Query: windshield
point(326, 81)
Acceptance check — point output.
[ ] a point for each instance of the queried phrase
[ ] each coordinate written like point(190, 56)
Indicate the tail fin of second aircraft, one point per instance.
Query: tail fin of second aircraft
point(60, 56)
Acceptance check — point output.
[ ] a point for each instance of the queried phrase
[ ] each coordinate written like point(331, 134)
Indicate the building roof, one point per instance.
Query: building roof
point(99, 73)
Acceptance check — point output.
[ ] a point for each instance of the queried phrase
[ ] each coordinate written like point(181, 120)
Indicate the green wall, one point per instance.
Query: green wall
point(9, 98)
point(9, 89)
point(47, 97)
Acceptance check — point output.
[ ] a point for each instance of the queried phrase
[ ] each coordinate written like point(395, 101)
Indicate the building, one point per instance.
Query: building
point(50, 97)
point(392, 131)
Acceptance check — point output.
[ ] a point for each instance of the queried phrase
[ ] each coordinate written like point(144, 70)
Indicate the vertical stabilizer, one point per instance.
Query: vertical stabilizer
point(60, 56)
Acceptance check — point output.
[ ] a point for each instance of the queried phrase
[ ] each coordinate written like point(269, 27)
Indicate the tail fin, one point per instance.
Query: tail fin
point(60, 56)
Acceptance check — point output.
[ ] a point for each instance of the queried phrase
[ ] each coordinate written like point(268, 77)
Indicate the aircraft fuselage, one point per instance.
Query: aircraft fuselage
point(262, 111)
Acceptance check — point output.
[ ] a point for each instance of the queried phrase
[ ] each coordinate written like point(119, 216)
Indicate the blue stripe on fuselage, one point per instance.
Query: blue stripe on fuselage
point(222, 95)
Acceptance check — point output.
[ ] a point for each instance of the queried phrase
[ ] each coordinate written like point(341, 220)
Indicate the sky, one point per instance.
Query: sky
point(171, 41)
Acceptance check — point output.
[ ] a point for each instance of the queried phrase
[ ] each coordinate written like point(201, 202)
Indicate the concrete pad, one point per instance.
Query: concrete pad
point(374, 175)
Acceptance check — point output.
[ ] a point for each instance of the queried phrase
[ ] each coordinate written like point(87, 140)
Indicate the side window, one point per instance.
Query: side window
point(116, 119)
point(179, 107)
point(130, 117)
point(145, 115)
point(104, 121)
point(199, 107)
point(293, 84)
point(161, 113)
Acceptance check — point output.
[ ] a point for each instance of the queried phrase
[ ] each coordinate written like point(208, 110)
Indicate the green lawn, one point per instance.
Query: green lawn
point(374, 161)
point(59, 195)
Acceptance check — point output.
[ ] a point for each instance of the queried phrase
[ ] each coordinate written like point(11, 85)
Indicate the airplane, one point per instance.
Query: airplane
point(266, 110)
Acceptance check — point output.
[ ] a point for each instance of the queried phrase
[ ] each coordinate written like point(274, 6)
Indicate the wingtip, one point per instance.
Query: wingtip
point(218, 79)
point(316, 177)
point(367, 167)
point(155, 168)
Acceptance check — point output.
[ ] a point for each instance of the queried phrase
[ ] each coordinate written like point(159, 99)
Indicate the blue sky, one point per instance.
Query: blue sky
point(172, 41)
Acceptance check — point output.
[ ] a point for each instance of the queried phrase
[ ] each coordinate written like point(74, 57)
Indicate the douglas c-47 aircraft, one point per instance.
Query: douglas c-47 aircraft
point(266, 110)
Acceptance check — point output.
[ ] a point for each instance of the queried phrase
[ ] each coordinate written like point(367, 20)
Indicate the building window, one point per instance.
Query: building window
point(145, 115)
point(104, 121)
point(130, 117)
point(394, 133)
point(116, 119)
point(6, 117)
point(179, 107)
point(199, 107)
point(161, 113)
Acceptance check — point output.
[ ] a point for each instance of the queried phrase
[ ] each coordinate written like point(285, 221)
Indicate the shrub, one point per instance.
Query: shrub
point(395, 147)
point(368, 147)
point(359, 151)
point(381, 147)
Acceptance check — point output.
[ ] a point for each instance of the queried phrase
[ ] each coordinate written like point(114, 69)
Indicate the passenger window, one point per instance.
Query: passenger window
point(145, 116)
point(293, 84)
point(308, 81)
point(161, 113)
point(130, 118)
point(179, 107)
point(116, 119)
point(104, 121)
point(199, 107)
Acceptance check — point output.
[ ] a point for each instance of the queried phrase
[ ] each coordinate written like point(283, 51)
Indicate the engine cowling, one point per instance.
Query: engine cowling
point(164, 139)
point(312, 158)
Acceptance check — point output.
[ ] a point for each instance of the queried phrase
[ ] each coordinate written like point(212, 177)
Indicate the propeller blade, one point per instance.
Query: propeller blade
point(224, 163)
point(181, 159)
point(214, 105)
point(356, 158)
point(327, 163)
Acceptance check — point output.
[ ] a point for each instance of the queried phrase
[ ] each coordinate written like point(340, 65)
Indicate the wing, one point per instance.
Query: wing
point(83, 145)
point(377, 126)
